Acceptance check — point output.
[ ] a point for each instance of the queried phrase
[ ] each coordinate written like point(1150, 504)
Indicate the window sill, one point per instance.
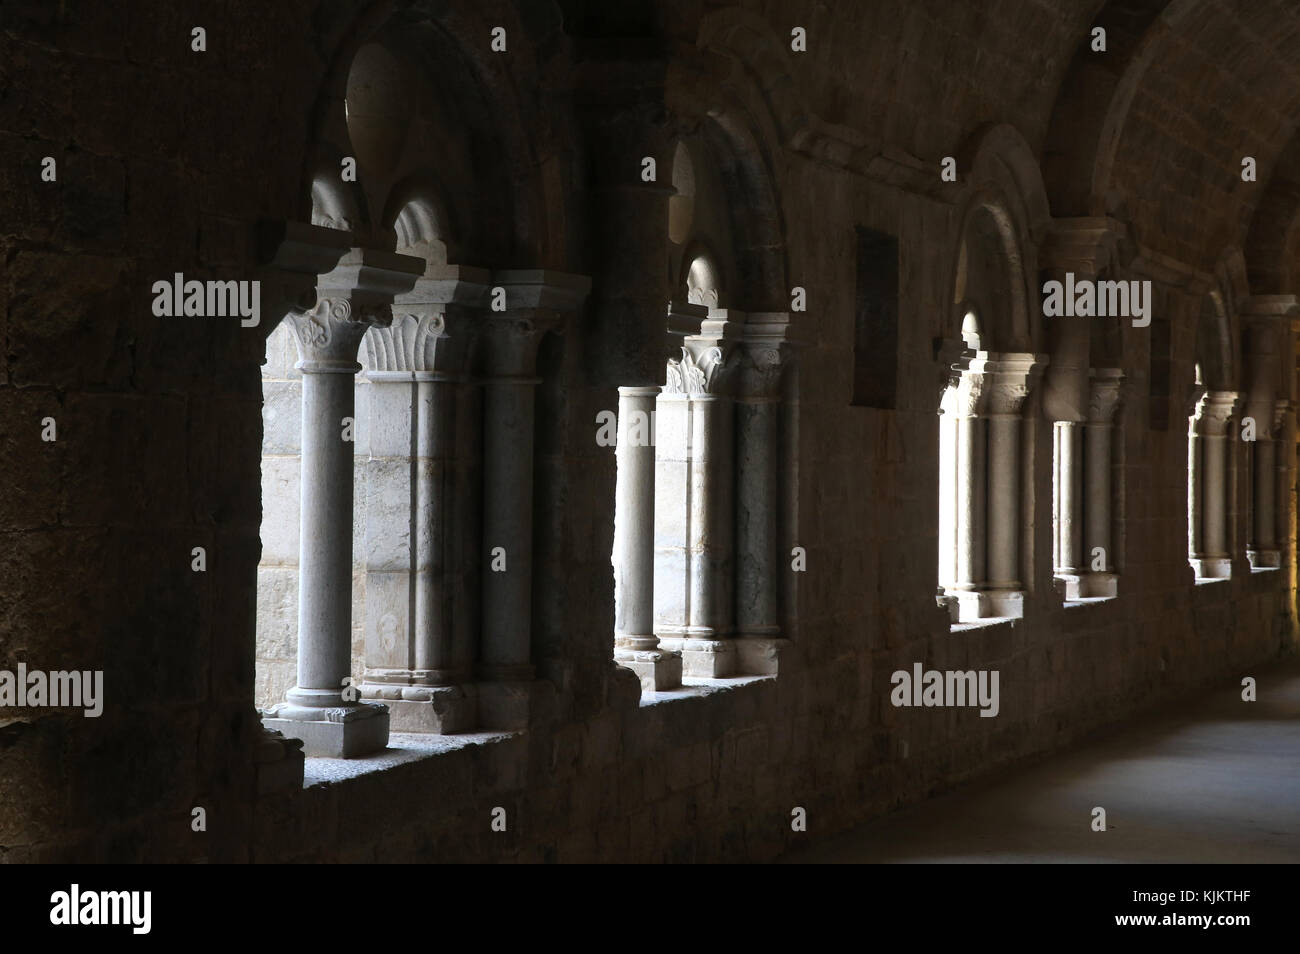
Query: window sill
point(699, 687)
point(403, 747)
point(983, 623)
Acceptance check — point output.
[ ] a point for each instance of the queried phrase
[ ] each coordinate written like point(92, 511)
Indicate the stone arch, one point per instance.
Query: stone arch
point(735, 97)
point(517, 212)
point(1004, 218)
point(1094, 102)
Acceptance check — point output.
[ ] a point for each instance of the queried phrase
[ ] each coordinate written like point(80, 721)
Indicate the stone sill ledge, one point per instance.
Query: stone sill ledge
point(983, 623)
point(697, 687)
point(403, 747)
point(1087, 601)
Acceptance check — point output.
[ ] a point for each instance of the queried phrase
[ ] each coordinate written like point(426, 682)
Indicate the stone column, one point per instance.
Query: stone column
point(1105, 393)
point(1210, 428)
point(1008, 378)
point(969, 568)
point(649, 573)
point(758, 453)
point(534, 303)
point(1282, 452)
point(321, 710)
point(1068, 466)
point(418, 370)
point(704, 373)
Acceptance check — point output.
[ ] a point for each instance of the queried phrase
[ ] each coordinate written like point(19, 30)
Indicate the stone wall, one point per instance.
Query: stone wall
point(168, 160)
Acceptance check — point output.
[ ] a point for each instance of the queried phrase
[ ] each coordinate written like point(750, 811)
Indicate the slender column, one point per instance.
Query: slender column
point(320, 709)
point(1099, 574)
point(1213, 414)
point(969, 579)
point(328, 339)
point(650, 520)
point(634, 514)
point(1068, 440)
point(758, 406)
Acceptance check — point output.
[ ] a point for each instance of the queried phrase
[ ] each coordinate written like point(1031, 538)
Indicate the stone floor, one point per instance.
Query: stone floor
point(1210, 779)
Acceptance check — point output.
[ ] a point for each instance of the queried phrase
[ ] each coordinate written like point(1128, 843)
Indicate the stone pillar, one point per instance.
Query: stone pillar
point(1098, 579)
point(635, 644)
point(704, 373)
point(1212, 561)
point(1068, 465)
point(758, 454)
point(418, 368)
point(1282, 452)
point(534, 303)
point(655, 481)
point(969, 567)
point(321, 710)
point(1008, 378)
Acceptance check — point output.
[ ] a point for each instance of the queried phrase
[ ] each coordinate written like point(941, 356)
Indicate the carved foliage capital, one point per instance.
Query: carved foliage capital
point(699, 371)
point(331, 332)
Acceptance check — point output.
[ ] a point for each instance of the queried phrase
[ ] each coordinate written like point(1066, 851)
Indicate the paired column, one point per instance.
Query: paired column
point(643, 576)
point(322, 709)
point(991, 392)
point(758, 454)
point(419, 657)
point(1208, 488)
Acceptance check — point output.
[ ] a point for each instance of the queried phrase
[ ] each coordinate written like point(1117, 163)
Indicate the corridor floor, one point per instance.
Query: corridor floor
point(1209, 779)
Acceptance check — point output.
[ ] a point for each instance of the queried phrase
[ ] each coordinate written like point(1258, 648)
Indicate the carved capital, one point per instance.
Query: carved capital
point(329, 335)
point(1213, 412)
point(1105, 392)
point(421, 339)
point(699, 371)
point(512, 342)
point(760, 368)
point(1007, 379)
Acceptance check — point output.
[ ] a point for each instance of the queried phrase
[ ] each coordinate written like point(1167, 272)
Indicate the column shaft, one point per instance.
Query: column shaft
point(756, 577)
point(634, 516)
point(325, 557)
point(1004, 502)
point(1097, 508)
point(508, 524)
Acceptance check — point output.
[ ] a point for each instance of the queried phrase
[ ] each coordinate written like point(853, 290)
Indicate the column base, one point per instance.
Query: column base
point(441, 709)
point(1212, 568)
point(1088, 586)
point(968, 606)
point(703, 658)
point(1264, 559)
point(658, 669)
point(759, 655)
point(1006, 603)
point(965, 606)
point(340, 732)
